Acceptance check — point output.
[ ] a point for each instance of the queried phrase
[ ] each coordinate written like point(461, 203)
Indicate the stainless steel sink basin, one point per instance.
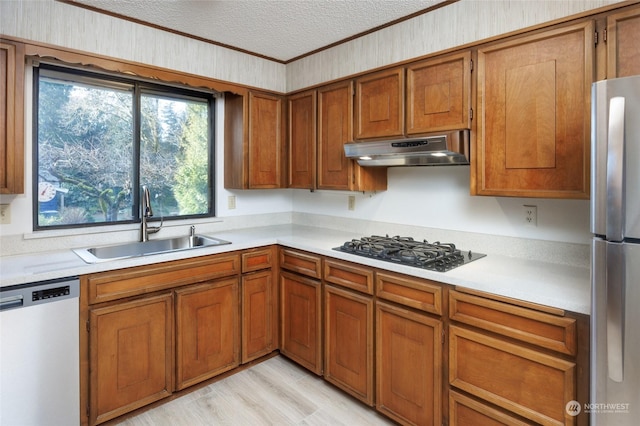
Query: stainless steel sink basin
point(128, 250)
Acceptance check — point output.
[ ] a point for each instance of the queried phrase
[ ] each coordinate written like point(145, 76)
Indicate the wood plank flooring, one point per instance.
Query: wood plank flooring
point(274, 392)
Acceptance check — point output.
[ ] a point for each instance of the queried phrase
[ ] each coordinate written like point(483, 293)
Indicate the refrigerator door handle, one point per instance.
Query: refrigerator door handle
point(615, 170)
point(615, 310)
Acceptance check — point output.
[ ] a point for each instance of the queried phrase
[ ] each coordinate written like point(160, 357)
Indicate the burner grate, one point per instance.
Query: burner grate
point(435, 256)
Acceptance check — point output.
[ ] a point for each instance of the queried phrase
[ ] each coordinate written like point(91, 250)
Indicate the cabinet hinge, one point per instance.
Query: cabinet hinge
point(470, 113)
point(604, 35)
point(88, 328)
point(595, 38)
point(471, 65)
point(442, 336)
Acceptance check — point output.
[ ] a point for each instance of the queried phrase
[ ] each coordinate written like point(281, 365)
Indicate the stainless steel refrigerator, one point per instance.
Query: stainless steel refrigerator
point(615, 224)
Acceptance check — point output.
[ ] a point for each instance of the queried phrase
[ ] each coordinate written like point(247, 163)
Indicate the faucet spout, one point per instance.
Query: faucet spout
point(146, 212)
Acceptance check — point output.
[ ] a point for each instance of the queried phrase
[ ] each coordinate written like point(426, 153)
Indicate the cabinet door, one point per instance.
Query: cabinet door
point(131, 347)
point(408, 366)
point(439, 94)
point(302, 140)
point(533, 136)
point(380, 104)
point(348, 346)
point(11, 117)
point(623, 49)
point(335, 128)
point(265, 141)
point(531, 384)
point(301, 320)
point(258, 315)
point(207, 333)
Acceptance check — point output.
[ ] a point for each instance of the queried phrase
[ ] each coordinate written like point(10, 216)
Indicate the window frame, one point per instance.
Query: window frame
point(140, 86)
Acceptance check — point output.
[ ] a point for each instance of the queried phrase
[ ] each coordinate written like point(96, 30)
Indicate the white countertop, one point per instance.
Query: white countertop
point(556, 285)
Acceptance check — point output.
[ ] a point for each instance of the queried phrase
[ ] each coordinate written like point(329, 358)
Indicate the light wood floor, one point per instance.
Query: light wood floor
point(274, 392)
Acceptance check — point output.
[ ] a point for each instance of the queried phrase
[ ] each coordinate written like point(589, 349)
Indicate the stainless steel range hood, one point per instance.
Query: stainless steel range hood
point(451, 148)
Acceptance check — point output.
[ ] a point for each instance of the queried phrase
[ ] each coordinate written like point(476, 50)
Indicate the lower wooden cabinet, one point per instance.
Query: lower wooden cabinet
point(300, 318)
point(529, 383)
point(348, 346)
point(465, 411)
point(408, 365)
point(259, 321)
point(131, 354)
point(207, 331)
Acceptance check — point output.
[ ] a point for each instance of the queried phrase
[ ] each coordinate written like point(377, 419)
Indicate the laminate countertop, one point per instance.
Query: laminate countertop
point(556, 285)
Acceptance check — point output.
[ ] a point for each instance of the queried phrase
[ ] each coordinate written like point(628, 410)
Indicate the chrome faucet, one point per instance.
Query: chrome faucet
point(146, 212)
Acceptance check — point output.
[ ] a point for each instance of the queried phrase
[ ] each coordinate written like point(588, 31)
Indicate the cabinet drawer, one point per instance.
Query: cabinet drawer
point(345, 274)
point(300, 262)
point(545, 330)
point(467, 411)
point(255, 260)
point(413, 292)
point(534, 385)
point(146, 279)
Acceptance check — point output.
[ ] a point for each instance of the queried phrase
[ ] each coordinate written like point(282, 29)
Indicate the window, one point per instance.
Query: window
point(99, 138)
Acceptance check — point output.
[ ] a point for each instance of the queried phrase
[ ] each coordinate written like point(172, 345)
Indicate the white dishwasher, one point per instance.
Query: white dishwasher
point(39, 354)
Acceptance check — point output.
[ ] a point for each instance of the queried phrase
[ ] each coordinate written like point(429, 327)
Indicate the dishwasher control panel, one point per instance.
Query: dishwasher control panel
point(50, 293)
point(25, 295)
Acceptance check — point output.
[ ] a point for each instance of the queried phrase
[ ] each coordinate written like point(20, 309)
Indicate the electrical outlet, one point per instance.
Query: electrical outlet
point(5, 214)
point(352, 202)
point(231, 202)
point(530, 214)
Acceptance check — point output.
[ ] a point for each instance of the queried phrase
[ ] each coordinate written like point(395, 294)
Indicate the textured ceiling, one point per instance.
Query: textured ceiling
point(276, 29)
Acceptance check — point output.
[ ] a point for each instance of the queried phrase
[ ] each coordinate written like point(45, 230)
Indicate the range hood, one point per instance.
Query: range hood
point(451, 148)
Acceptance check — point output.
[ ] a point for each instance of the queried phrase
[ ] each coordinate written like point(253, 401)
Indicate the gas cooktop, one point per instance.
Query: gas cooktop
point(435, 256)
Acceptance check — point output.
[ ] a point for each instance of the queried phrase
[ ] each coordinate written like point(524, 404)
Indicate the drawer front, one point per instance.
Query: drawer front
point(146, 279)
point(413, 292)
point(345, 274)
point(300, 262)
point(545, 330)
point(255, 260)
point(534, 385)
point(464, 411)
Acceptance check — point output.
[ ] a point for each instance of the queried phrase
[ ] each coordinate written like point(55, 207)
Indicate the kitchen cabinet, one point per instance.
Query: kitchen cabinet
point(464, 411)
point(533, 131)
point(254, 141)
point(207, 331)
point(439, 94)
point(12, 59)
point(526, 360)
point(623, 50)
point(300, 309)
point(380, 104)
point(259, 303)
point(302, 140)
point(409, 349)
point(335, 128)
point(348, 328)
point(131, 355)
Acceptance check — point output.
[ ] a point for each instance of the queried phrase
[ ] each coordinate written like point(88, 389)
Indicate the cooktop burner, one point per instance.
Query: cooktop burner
point(434, 256)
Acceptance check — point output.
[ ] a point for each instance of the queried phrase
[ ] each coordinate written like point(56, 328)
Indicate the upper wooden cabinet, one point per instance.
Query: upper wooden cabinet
point(380, 104)
point(302, 140)
point(254, 141)
point(439, 94)
point(335, 128)
point(533, 132)
point(623, 49)
point(11, 117)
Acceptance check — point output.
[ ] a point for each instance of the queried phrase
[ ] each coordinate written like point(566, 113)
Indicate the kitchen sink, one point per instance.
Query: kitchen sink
point(137, 249)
